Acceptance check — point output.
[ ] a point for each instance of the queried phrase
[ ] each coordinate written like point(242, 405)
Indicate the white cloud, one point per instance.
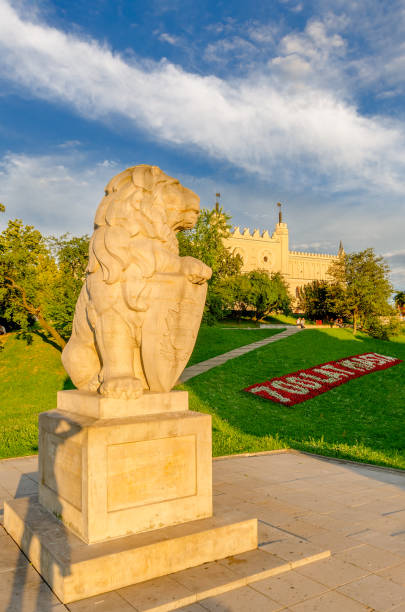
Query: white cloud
point(376, 65)
point(314, 56)
point(254, 123)
point(263, 33)
point(297, 8)
point(169, 38)
point(108, 163)
point(56, 193)
point(293, 65)
point(234, 46)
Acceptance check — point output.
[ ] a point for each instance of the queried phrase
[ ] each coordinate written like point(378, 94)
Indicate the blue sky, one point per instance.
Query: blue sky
point(285, 100)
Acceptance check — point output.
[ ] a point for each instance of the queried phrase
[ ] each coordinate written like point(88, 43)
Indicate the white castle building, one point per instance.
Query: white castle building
point(272, 253)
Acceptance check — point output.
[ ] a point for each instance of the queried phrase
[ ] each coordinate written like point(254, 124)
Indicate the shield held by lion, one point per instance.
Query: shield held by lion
point(139, 311)
point(170, 328)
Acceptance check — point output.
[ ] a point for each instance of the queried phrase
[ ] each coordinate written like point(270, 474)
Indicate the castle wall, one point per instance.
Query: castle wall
point(271, 253)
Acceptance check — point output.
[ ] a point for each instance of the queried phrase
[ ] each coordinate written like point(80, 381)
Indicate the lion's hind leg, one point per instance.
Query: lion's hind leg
point(117, 345)
point(79, 357)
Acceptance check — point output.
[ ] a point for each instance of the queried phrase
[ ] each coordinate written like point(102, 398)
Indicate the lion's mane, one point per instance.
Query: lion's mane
point(129, 218)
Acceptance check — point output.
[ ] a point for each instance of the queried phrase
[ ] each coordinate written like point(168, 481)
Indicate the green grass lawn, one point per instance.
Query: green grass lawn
point(237, 323)
point(212, 341)
point(362, 420)
point(30, 376)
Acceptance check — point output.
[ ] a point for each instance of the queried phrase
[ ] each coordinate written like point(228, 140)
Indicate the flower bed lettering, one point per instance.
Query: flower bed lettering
point(300, 386)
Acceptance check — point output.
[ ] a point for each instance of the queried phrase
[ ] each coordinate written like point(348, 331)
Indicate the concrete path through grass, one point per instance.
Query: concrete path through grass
point(204, 366)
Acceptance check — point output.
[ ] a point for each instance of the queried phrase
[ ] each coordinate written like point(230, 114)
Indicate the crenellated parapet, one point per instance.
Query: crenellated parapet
point(316, 255)
point(248, 235)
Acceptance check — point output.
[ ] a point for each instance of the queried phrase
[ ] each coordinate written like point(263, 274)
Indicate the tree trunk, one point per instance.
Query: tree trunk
point(355, 322)
point(36, 312)
point(51, 330)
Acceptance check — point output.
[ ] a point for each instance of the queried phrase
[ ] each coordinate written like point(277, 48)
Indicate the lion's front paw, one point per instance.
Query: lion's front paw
point(93, 384)
point(195, 270)
point(124, 387)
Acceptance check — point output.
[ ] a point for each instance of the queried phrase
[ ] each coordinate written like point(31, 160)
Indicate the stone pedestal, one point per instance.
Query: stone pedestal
point(114, 470)
point(111, 477)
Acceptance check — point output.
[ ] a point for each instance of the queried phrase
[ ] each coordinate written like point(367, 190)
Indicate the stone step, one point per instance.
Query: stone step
point(196, 584)
point(203, 558)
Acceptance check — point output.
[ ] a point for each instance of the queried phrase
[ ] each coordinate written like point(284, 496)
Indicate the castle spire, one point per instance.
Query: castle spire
point(217, 195)
point(341, 250)
point(280, 214)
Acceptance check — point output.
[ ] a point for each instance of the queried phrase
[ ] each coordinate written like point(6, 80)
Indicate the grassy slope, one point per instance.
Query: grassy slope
point(29, 379)
point(361, 420)
point(214, 341)
point(31, 375)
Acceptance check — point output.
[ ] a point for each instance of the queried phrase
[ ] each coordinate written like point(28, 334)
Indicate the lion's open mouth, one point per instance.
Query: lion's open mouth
point(187, 221)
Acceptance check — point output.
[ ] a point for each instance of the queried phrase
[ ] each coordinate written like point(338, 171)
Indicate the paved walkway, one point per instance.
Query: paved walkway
point(204, 366)
point(304, 504)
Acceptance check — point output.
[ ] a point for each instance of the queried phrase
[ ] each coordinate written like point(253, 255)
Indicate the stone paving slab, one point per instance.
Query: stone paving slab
point(366, 570)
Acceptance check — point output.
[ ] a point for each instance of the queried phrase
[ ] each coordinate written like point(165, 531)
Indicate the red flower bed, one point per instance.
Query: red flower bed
point(300, 386)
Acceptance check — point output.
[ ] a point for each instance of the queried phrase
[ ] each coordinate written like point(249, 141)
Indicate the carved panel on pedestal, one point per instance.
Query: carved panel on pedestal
point(150, 471)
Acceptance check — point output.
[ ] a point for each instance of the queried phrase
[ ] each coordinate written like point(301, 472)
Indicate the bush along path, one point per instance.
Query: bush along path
point(204, 366)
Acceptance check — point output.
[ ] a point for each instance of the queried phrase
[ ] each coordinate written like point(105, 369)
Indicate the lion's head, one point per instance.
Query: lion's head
point(140, 202)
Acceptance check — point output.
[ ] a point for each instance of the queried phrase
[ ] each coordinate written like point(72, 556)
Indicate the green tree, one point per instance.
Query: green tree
point(239, 290)
point(27, 276)
point(205, 242)
point(267, 293)
point(71, 255)
point(321, 300)
point(399, 299)
point(259, 293)
point(364, 286)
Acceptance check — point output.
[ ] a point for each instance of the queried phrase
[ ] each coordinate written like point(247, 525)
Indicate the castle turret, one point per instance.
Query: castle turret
point(281, 233)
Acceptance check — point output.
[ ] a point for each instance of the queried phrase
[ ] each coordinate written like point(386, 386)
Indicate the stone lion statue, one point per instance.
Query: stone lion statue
point(138, 313)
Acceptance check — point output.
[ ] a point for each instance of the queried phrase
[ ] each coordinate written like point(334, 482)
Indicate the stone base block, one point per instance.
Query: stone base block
point(99, 407)
point(75, 570)
point(108, 478)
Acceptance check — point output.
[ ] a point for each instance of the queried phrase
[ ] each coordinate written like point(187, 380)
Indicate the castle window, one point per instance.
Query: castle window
point(265, 258)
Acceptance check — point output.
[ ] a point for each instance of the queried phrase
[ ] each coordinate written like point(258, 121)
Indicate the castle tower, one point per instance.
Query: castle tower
point(281, 234)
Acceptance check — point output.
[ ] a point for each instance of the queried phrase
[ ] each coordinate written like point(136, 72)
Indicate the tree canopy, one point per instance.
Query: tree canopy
point(205, 242)
point(40, 279)
point(364, 286)
point(321, 300)
point(71, 254)
point(266, 293)
point(399, 299)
